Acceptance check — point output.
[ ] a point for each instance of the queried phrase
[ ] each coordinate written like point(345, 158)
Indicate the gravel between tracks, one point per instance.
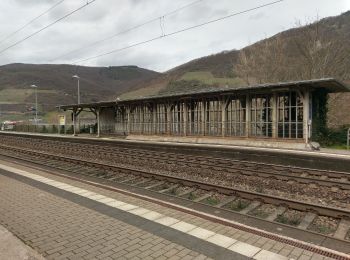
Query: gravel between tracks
point(271, 186)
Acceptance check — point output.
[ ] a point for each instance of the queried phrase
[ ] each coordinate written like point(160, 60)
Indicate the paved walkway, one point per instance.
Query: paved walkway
point(11, 248)
point(66, 219)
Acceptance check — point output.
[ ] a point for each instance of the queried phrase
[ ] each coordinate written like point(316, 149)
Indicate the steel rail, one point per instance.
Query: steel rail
point(265, 198)
point(276, 173)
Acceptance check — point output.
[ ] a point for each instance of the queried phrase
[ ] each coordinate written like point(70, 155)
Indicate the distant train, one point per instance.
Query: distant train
point(8, 125)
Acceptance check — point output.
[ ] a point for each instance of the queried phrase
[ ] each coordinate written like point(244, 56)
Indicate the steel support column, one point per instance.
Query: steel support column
point(74, 122)
point(76, 112)
point(169, 119)
point(306, 116)
point(203, 117)
point(98, 110)
point(128, 124)
point(274, 116)
point(154, 119)
point(248, 115)
point(224, 104)
point(185, 115)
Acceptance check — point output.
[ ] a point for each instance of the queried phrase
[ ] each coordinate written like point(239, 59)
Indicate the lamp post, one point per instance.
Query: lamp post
point(78, 79)
point(36, 103)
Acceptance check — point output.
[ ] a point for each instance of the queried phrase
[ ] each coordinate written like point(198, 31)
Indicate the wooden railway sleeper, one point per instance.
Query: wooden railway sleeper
point(328, 211)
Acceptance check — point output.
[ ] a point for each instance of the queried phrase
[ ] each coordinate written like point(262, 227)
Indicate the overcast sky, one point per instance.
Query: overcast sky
point(104, 18)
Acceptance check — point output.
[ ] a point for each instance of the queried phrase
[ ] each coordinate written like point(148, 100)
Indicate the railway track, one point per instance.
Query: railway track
point(225, 198)
point(322, 178)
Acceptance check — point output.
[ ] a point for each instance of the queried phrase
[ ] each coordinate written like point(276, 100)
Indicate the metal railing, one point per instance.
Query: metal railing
point(348, 140)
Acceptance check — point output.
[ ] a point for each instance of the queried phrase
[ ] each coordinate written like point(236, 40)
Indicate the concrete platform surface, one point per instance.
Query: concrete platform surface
point(67, 219)
point(11, 248)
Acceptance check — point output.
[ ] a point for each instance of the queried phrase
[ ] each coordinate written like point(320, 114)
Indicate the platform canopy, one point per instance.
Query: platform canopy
point(330, 84)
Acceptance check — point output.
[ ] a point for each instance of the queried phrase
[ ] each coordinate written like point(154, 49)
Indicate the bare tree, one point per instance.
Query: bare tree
point(321, 54)
point(305, 53)
point(313, 50)
point(263, 62)
point(325, 53)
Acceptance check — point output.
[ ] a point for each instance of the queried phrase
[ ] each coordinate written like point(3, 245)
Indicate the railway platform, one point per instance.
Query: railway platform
point(323, 152)
point(64, 218)
point(13, 248)
point(325, 159)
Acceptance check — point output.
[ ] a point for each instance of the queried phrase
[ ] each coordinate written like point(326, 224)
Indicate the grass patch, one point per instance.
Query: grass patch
point(339, 147)
point(161, 187)
point(212, 201)
point(259, 189)
point(172, 191)
point(293, 221)
point(191, 196)
point(237, 205)
point(208, 78)
point(323, 229)
point(20, 95)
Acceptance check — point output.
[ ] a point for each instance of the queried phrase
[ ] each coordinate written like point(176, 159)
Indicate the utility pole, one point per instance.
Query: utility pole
point(78, 79)
point(36, 103)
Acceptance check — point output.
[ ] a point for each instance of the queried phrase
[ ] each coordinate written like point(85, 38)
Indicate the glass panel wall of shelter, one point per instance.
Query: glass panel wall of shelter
point(136, 117)
point(161, 119)
point(194, 115)
point(177, 118)
point(147, 118)
point(236, 117)
point(121, 121)
point(290, 115)
point(261, 115)
point(213, 117)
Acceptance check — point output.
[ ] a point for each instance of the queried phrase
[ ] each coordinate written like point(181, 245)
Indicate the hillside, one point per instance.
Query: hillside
point(316, 50)
point(56, 86)
point(320, 49)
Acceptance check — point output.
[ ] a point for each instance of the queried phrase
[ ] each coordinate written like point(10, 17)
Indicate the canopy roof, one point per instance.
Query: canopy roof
point(330, 84)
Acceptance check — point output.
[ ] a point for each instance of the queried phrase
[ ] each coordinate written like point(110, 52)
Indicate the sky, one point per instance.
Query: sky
point(69, 41)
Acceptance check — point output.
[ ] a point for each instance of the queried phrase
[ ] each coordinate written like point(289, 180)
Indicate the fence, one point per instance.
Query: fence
point(50, 129)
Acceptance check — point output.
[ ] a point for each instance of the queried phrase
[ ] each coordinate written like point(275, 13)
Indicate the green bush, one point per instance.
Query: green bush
point(54, 129)
point(44, 129)
point(69, 130)
point(332, 137)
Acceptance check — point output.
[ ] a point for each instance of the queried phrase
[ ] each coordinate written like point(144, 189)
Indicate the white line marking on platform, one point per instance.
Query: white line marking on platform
point(127, 207)
point(139, 211)
point(167, 221)
point(152, 215)
point(183, 226)
point(244, 249)
point(266, 255)
point(221, 240)
point(201, 233)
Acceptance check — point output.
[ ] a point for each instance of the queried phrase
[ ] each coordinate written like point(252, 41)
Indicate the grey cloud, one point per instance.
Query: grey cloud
point(257, 16)
point(107, 17)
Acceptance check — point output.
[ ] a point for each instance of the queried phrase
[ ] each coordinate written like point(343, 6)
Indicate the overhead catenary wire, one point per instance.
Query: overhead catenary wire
point(178, 31)
point(160, 18)
point(47, 26)
point(31, 21)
